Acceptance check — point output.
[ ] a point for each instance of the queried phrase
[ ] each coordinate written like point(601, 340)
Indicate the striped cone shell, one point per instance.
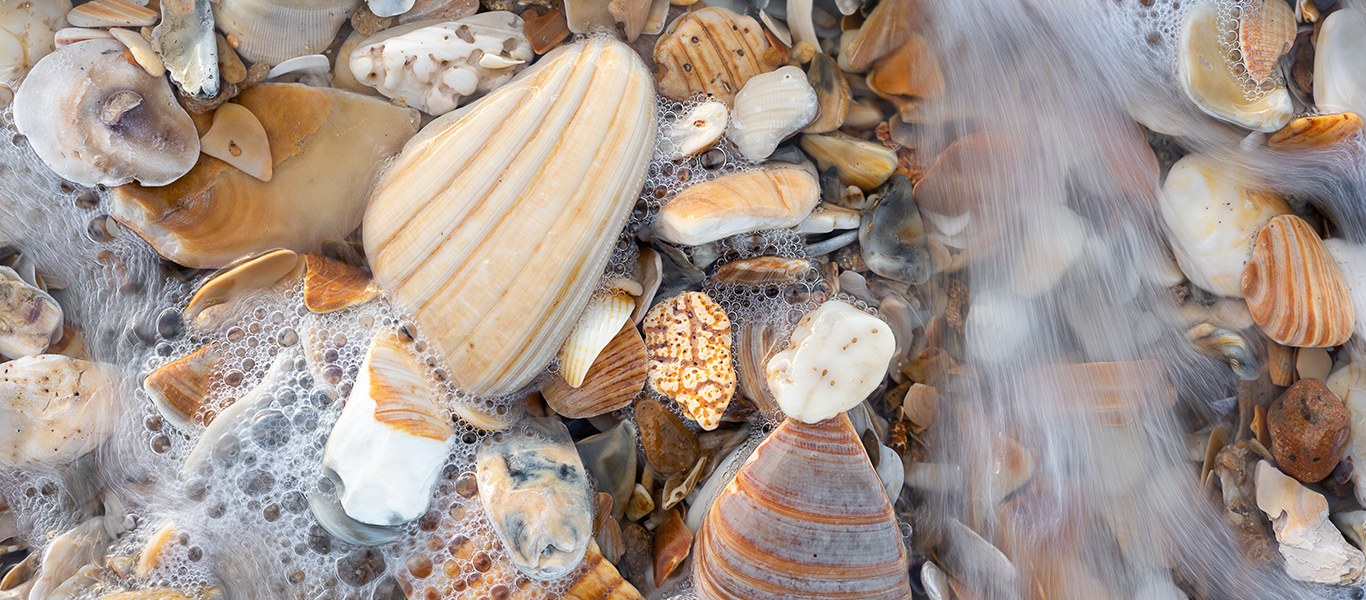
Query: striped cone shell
point(1294, 289)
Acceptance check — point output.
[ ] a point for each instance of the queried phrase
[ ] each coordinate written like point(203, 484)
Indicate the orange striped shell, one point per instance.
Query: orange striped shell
point(1266, 31)
point(1294, 289)
point(806, 517)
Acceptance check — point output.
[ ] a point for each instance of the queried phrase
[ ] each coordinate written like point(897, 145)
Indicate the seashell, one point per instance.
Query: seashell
point(311, 131)
point(832, 94)
point(226, 288)
point(712, 51)
point(536, 494)
point(651, 268)
point(1211, 219)
point(654, 21)
point(304, 66)
point(71, 35)
point(111, 13)
point(546, 31)
point(151, 594)
point(888, 27)
point(277, 30)
point(641, 503)
point(688, 340)
point(610, 457)
point(67, 554)
point(185, 38)
point(599, 324)
point(1294, 289)
point(974, 167)
point(433, 68)
point(1227, 346)
point(672, 542)
point(150, 556)
point(73, 108)
point(859, 162)
point(1339, 85)
point(998, 325)
point(892, 236)
point(230, 65)
point(632, 14)
point(600, 580)
point(769, 108)
point(30, 319)
point(1208, 79)
point(238, 139)
point(609, 540)
point(1055, 238)
point(1266, 31)
point(1315, 131)
point(331, 285)
point(178, 387)
point(392, 437)
point(31, 30)
point(837, 356)
point(771, 534)
point(1313, 549)
point(239, 412)
point(613, 382)
point(1112, 393)
point(141, 49)
point(680, 485)
point(738, 203)
point(433, 213)
point(55, 409)
point(670, 446)
point(589, 16)
point(446, 10)
point(754, 346)
point(762, 271)
point(389, 8)
point(328, 512)
point(698, 130)
point(910, 70)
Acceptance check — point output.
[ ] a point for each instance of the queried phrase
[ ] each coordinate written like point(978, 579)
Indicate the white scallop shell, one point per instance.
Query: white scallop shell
point(276, 30)
point(769, 108)
point(600, 322)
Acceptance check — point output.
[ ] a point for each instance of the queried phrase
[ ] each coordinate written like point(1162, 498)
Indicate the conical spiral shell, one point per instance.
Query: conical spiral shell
point(806, 517)
point(1294, 289)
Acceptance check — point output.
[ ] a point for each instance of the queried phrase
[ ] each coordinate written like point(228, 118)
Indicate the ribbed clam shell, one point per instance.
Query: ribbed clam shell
point(753, 347)
point(738, 203)
point(1294, 289)
point(769, 108)
point(178, 387)
point(762, 270)
point(111, 13)
point(600, 323)
point(806, 517)
point(613, 381)
point(1316, 131)
point(277, 30)
point(1266, 31)
point(331, 285)
point(713, 51)
point(489, 228)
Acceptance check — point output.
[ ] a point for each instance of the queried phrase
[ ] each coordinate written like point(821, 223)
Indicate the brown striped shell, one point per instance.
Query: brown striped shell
point(762, 270)
point(405, 396)
point(713, 50)
point(613, 381)
point(688, 340)
point(177, 388)
point(806, 517)
point(1294, 289)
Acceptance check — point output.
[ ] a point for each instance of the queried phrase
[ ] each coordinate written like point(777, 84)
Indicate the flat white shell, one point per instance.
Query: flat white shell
point(769, 108)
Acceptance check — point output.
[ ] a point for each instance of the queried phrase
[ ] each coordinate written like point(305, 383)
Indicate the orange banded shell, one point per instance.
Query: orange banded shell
point(806, 517)
point(1294, 289)
point(1266, 31)
point(1316, 131)
point(331, 285)
point(614, 380)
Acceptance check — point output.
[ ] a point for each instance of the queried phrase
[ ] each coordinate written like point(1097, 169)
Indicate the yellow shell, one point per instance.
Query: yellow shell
point(1266, 31)
point(688, 338)
point(713, 51)
point(859, 162)
point(613, 382)
point(1317, 131)
point(1294, 289)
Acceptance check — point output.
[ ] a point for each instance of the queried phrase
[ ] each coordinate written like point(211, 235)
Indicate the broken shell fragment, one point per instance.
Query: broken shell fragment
point(111, 13)
point(769, 535)
point(277, 30)
point(859, 162)
point(96, 119)
point(439, 226)
point(185, 38)
point(599, 324)
point(30, 319)
point(688, 340)
point(832, 94)
point(311, 130)
point(238, 139)
point(392, 437)
point(142, 50)
point(71, 35)
point(610, 457)
point(1314, 550)
point(434, 68)
point(178, 387)
point(769, 108)
point(892, 235)
point(837, 357)
point(613, 381)
point(232, 284)
point(1339, 85)
point(738, 203)
point(762, 271)
point(672, 541)
point(669, 445)
point(1294, 289)
point(713, 51)
point(536, 493)
point(1315, 131)
point(331, 285)
point(389, 8)
point(1207, 75)
point(55, 409)
point(887, 28)
point(29, 30)
point(698, 130)
point(632, 14)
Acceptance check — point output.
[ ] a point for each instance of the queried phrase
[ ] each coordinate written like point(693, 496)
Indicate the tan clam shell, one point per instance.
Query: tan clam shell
point(888, 27)
point(613, 382)
point(111, 13)
point(688, 338)
point(1266, 31)
point(713, 51)
point(754, 346)
point(738, 203)
point(1208, 79)
point(910, 70)
point(223, 288)
point(600, 580)
point(859, 162)
point(1315, 131)
point(599, 324)
point(1294, 289)
point(177, 388)
point(331, 285)
point(522, 249)
point(762, 271)
point(806, 517)
point(326, 145)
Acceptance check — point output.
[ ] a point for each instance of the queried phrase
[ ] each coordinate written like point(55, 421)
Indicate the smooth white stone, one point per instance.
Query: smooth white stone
point(837, 357)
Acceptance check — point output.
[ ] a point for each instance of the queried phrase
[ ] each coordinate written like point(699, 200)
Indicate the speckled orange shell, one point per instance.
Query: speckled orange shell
point(688, 341)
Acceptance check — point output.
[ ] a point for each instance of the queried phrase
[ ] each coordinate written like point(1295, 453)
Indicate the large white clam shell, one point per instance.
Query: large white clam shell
point(1339, 80)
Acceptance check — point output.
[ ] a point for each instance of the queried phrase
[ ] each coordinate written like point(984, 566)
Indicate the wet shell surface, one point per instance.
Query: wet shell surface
point(237, 138)
point(28, 32)
point(1339, 84)
point(859, 162)
point(837, 357)
point(738, 203)
point(688, 340)
point(55, 409)
point(698, 130)
point(311, 130)
point(755, 344)
point(1266, 31)
point(331, 285)
point(30, 319)
point(713, 51)
point(886, 29)
point(523, 249)
point(1294, 289)
point(806, 517)
point(613, 381)
point(762, 271)
point(599, 324)
point(111, 13)
point(277, 30)
point(771, 107)
point(1207, 76)
point(1315, 131)
point(216, 296)
point(179, 387)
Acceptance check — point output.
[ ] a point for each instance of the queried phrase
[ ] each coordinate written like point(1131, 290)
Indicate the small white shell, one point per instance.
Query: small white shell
point(237, 138)
point(600, 322)
point(142, 51)
point(698, 130)
point(769, 108)
point(312, 63)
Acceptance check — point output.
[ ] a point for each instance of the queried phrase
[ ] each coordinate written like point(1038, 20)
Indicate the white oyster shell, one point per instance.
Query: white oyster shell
point(55, 408)
point(1313, 548)
point(1339, 79)
point(837, 357)
point(30, 320)
point(1208, 80)
point(769, 108)
point(27, 33)
point(433, 67)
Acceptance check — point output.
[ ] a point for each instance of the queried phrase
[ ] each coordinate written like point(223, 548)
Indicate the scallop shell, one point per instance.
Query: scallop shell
point(604, 317)
point(567, 144)
point(1294, 289)
point(613, 381)
point(738, 203)
point(698, 130)
point(806, 517)
point(278, 30)
point(1207, 76)
point(688, 338)
point(762, 271)
point(771, 107)
point(859, 162)
point(326, 145)
point(178, 387)
point(712, 51)
point(1266, 31)
point(111, 13)
point(331, 285)
point(1316, 131)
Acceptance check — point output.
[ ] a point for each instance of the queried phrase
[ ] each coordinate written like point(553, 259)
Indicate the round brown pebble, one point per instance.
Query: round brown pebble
point(1309, 428)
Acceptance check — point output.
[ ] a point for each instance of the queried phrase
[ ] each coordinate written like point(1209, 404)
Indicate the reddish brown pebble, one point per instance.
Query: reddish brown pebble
point(1309, 429)
point(669, 446)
